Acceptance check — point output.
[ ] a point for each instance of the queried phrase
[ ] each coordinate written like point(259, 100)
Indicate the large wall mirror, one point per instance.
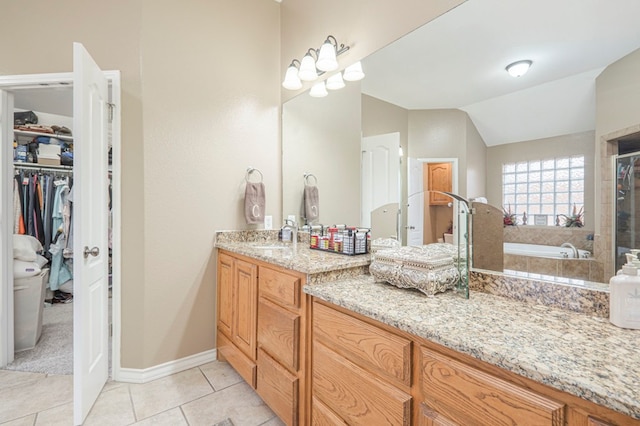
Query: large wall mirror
point(440, 98)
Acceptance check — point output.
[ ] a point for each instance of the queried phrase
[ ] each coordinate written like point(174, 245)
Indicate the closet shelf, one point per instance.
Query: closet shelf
point(50, 135)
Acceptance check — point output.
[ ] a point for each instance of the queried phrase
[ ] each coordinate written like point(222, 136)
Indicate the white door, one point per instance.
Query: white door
point(90, 229)
point(415, 203)
point(6, 229)
point(380, 168)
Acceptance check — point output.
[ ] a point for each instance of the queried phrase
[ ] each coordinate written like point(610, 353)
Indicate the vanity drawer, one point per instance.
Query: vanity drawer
point(280, 287)
point(279, 333)
point(354, 394)
point(278, 388)
point(365, 344)
point(321, 415)
point(238, 360)
point(462, 394)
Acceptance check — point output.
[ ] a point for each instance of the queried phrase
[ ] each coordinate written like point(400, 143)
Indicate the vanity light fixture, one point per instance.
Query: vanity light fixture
point(318, 90)
point(335, 82)
point(314, 63)
point(519, 68)
point(353, 72)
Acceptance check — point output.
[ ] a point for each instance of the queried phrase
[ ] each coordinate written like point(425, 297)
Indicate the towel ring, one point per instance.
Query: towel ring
point(250, 170)
point(310, 175)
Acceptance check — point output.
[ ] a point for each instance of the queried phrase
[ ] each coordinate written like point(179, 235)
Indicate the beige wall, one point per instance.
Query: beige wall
point(194, 116)
point(322, 136)
point(574, 144)
point(365, 25)
point(476, 162)
point(440, 133)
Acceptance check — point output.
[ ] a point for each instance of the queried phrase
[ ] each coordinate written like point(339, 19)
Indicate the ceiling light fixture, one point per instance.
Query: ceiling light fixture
point(519, 68)
point(315, 63)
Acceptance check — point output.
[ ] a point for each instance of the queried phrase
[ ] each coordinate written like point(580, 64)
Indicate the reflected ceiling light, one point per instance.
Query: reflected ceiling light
point(335, 82)
point(315, 63)
point(318, 90)
point(518, 69)
point(353, 72)
point(291, 79)
point(307, 70)
point(327, 56)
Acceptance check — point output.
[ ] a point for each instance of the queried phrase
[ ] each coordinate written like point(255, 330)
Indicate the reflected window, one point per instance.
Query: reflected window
point(546, 189)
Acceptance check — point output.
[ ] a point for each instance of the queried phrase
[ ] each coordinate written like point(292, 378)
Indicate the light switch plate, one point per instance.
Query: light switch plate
point(268, 222)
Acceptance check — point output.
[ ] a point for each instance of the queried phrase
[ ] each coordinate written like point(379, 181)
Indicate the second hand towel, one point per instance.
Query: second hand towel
point(311, 200)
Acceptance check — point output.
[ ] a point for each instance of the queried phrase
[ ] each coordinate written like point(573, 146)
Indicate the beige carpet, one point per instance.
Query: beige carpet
point(53, 353)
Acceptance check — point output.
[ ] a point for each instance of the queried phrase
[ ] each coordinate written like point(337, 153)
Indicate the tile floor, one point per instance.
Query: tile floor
point(205, 395)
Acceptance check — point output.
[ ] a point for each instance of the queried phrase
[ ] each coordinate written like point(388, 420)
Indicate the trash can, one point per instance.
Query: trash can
point(28, 301)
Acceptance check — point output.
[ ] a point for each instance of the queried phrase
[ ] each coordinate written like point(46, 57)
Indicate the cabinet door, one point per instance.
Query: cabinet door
point(245, 307)
point(463, 394)
point(225, 293)
point(439, 179)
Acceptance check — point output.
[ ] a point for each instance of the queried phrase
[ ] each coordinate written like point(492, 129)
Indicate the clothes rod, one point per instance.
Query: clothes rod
point(42, 167)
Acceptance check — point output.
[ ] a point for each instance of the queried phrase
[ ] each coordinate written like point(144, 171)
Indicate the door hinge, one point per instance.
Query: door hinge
point(111, 108)
point(110, 330)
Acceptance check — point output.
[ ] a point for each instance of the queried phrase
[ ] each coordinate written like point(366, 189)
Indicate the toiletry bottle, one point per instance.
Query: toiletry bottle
point(624, 298)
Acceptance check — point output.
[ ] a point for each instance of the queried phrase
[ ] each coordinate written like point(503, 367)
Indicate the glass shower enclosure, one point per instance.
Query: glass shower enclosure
point(627, 196)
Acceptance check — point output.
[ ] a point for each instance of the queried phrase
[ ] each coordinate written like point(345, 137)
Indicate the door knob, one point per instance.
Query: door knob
point(93, 252)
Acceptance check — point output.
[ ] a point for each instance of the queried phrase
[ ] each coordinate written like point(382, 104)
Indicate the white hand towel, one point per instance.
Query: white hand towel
point(254, 202)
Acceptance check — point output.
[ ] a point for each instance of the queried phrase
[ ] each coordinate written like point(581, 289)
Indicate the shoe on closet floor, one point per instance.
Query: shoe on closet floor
point(61, 297)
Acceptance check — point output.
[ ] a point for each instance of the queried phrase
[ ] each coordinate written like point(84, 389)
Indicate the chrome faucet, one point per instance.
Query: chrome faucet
point(291, 225)
point(576, 253)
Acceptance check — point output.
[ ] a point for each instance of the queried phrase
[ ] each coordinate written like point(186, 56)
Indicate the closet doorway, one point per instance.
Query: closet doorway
point(95, 91)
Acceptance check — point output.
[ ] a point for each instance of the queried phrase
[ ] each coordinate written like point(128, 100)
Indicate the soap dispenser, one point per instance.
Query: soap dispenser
point(624, 298)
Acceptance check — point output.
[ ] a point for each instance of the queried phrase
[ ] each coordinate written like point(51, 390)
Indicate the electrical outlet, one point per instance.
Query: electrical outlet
point(268, 222)
point(292, 218)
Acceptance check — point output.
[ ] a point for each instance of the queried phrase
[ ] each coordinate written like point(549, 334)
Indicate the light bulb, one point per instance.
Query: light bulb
point(353, 72)
point(307, 70)
point(335, 82)
point(291, 79)
point(327, 57)
point(318, 90)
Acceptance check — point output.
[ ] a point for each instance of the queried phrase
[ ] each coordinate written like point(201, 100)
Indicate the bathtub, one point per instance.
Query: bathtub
point(538, 250)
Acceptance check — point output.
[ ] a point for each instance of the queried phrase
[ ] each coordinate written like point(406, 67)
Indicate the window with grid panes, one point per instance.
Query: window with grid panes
point(548, 187)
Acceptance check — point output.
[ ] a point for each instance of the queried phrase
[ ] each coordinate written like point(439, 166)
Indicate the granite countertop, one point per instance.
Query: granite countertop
point(583, 355)
point(301, 259)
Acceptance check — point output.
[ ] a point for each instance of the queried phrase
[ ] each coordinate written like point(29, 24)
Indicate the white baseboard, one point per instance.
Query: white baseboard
point(136, 375)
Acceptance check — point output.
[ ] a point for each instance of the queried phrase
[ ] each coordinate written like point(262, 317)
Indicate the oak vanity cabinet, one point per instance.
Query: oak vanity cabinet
point(281, 337)
point(261, 330)
point(368, 373)
point(361, 373)
point(237, 313)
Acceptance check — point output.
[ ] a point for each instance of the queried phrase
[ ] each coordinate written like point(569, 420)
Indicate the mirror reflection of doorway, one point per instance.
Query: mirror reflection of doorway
point(627, 227)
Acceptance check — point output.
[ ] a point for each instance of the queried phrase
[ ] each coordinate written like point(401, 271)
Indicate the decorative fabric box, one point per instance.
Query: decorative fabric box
point(430, 269)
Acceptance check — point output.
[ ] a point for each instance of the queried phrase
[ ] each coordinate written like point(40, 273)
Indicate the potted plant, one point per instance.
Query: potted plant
point(508, 218)
point(575, 219)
